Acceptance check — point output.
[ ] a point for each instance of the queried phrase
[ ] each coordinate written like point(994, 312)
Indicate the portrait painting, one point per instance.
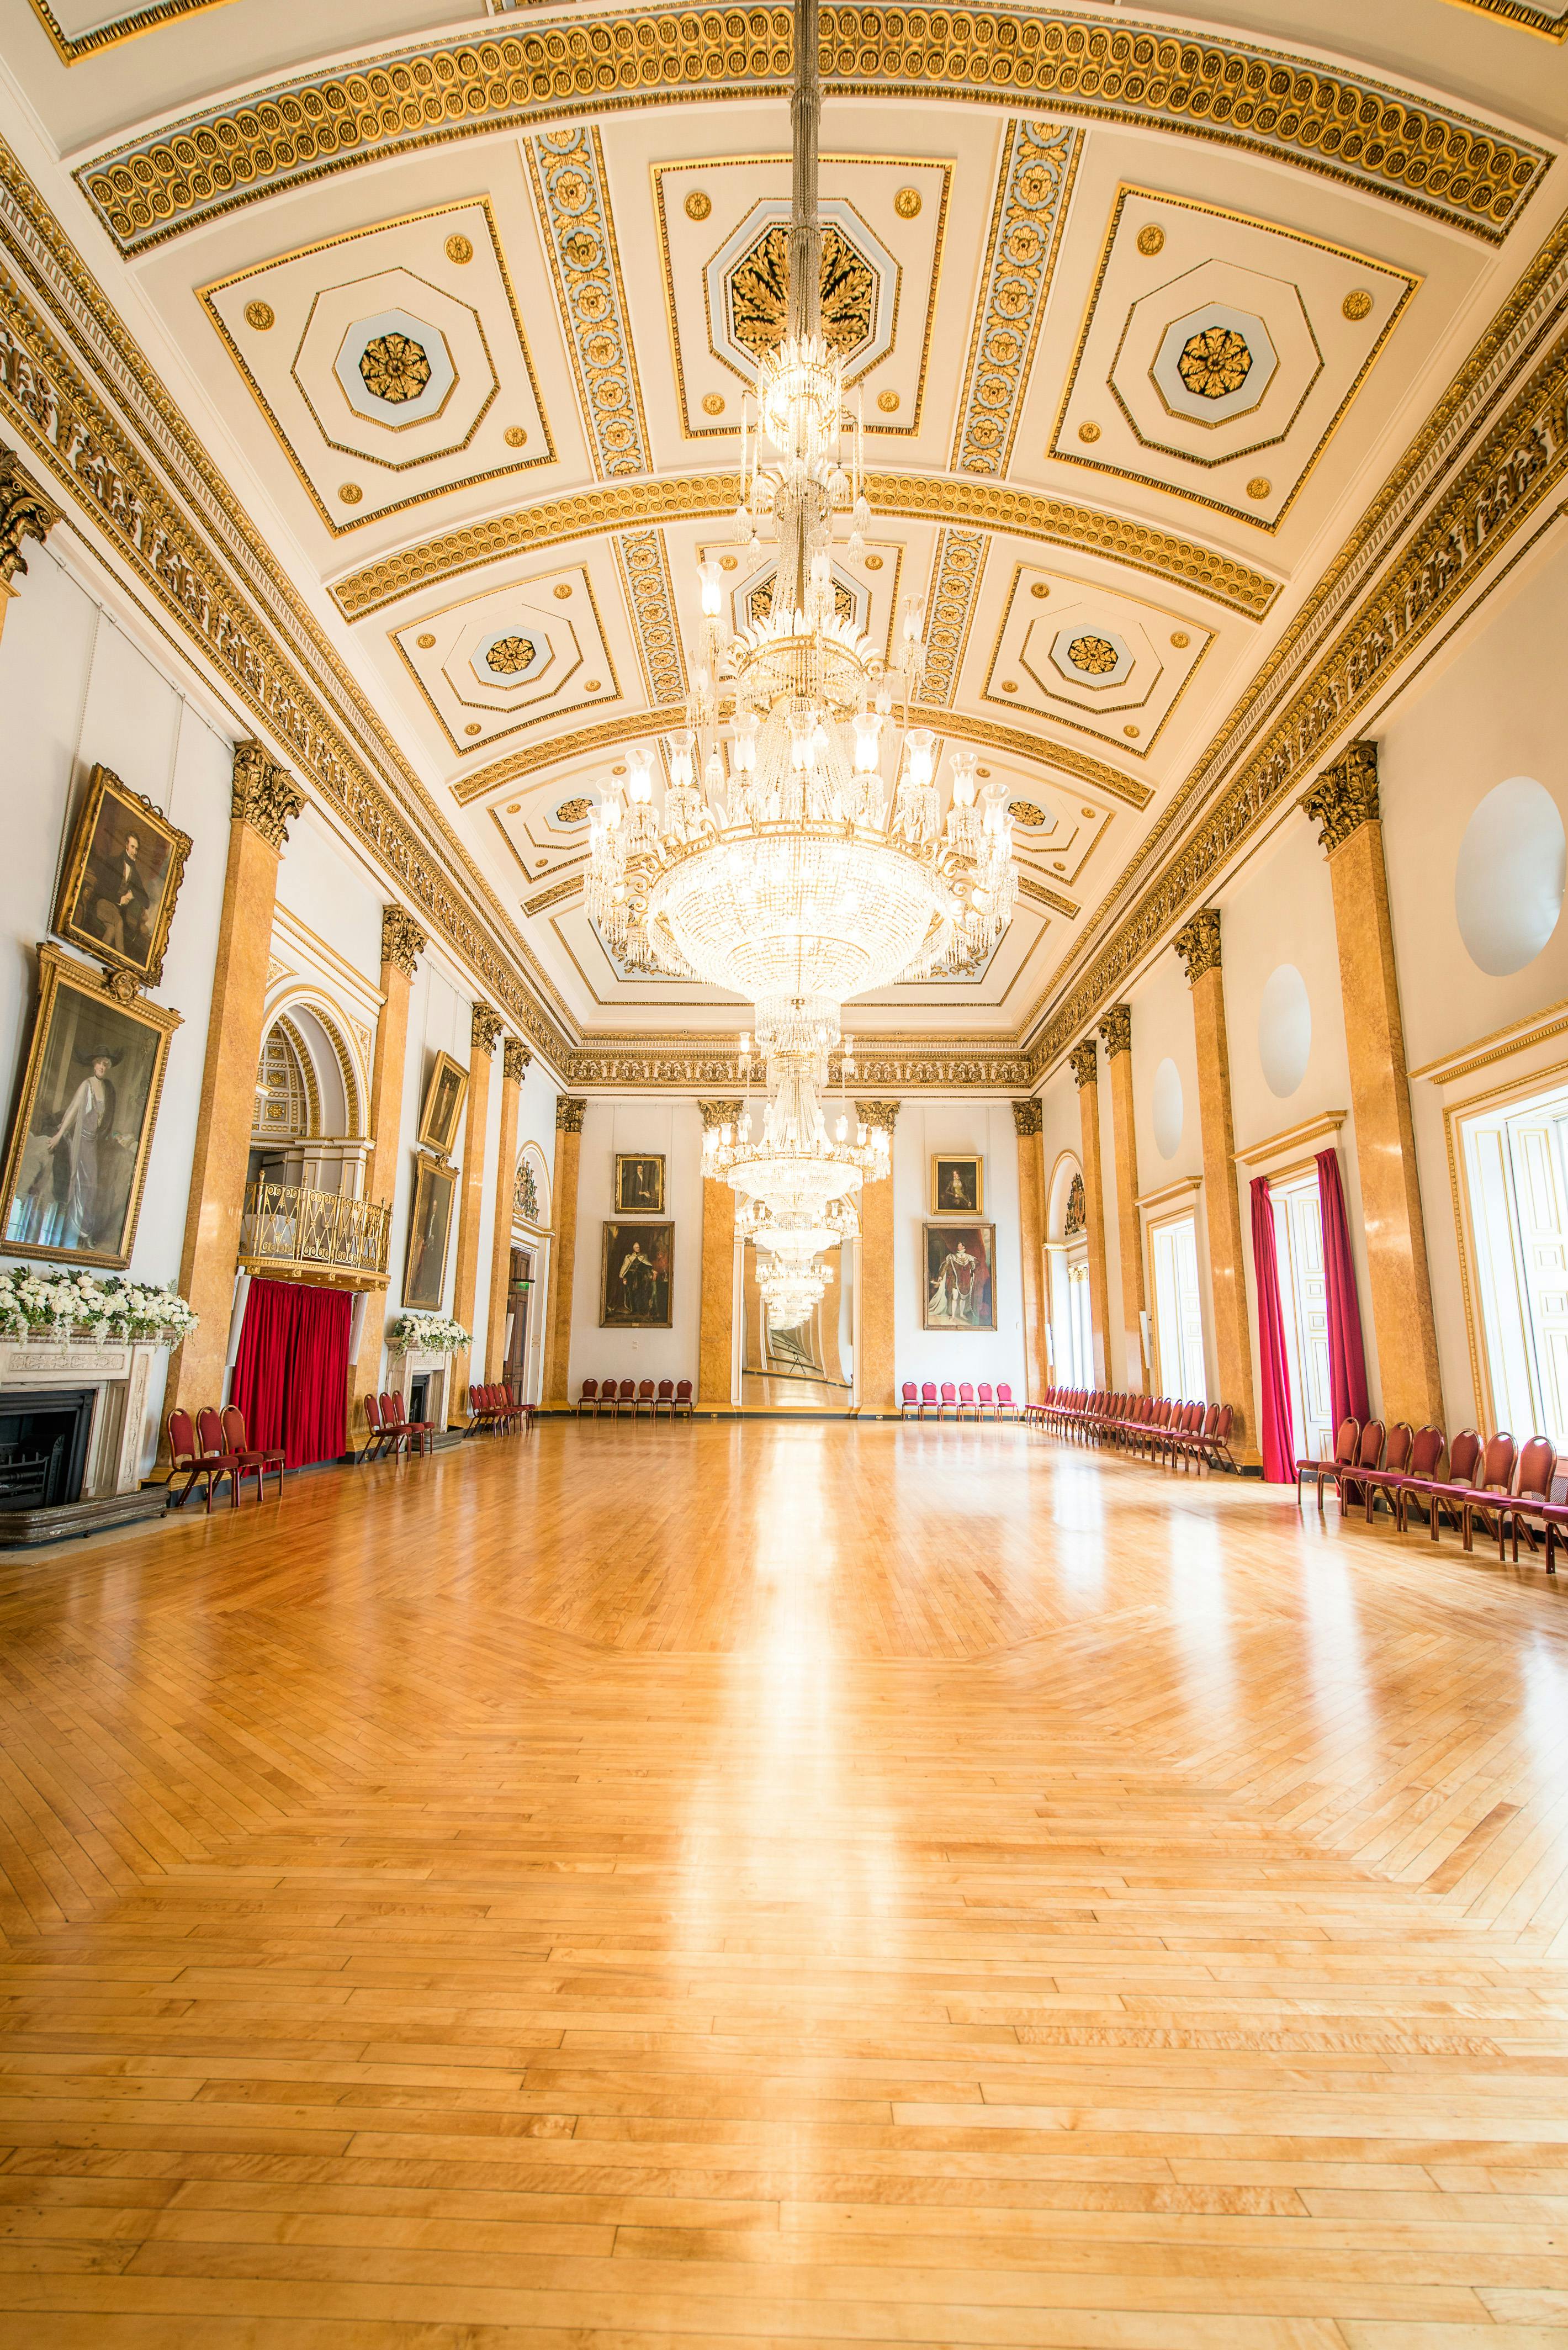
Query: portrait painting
point(961, 1277)
point(638, 1185)
point(635, 1277)
point(958, 1185)
point(77, 1159)
point(430, 1228)
point(444, 1096)
point(122, 879)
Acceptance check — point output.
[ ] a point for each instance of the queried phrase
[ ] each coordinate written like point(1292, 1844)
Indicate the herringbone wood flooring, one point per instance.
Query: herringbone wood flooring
point(782, 1884)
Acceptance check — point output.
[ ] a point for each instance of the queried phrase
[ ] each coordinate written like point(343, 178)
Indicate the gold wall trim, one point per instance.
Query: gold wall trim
point(1519, 12)
point(909, 497)
point(71, 47)
point(1265, 101)
point(1524, 1035)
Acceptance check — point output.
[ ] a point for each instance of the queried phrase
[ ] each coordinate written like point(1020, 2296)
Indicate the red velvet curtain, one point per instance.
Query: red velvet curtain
point(1274, 1403)
point(1346, 1363)
point(291, 1374)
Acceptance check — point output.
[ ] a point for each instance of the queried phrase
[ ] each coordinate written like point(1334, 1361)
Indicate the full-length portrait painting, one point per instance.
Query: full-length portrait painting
point(122, 879)
point(430, 1225)
point(635, 1277)
point(961, 1286)
point(77, 1155)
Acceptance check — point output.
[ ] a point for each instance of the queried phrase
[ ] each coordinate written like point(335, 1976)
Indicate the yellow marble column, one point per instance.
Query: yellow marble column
point(569, 1111)
point(877, 1366)
point(1116, 1028)
point(1085, 1065)
point(263, 802)
point(514, 1059)
point(402, 943)
point(483, 1034)
point(1028, 1120)
point(1230, 1373)
point(24, 513)
point(716, 1345)
point(1343, 803)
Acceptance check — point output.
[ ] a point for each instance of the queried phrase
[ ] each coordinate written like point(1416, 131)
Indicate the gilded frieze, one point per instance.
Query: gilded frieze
point(644, 562)
point(956, 571)
point(568, 175)
point(1265, 101)
point(1552, 23)
point(1037, 166)
point(121, 25)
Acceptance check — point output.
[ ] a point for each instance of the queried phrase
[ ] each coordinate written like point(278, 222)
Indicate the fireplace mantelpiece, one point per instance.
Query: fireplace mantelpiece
point(121, 1379)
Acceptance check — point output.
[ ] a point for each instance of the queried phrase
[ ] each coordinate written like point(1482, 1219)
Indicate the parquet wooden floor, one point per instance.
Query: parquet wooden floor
point(781, 1885)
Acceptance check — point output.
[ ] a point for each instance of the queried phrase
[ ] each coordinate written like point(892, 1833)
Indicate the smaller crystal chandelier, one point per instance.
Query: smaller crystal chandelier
point(796, 1166)
point(791, 1245)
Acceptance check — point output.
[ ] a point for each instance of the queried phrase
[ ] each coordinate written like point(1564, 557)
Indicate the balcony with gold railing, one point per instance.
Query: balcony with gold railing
point(289, 1232)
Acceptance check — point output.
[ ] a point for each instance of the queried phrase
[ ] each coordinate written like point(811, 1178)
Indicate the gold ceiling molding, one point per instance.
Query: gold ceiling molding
point(70, 48)
point(563, 750)
point(1263, 101)
point(568, 168)
point(1026, 218)
point(1520, 463)
point(909, 497)
point(1544, 21)
point(904, 1064)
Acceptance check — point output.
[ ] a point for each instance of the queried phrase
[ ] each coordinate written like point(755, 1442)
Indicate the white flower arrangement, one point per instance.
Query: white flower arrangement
point(428, 1334)
point(40, 1302)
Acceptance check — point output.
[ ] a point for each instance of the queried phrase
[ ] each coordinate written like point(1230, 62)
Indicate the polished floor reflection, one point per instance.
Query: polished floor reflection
point(782, 1883)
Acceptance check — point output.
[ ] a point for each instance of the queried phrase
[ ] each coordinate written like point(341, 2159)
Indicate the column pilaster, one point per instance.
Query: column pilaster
point(514, 1059)
point(402, 943)
point(24, 513)
point(716, 1343)
point(483, 1036)
point(1116, 1029)
point(1343, 803)
point(263, 801)
point(569, 1111)
point(878, 1365)
point(1085, 1061)
point(1198, 944)
point(1028, 1121)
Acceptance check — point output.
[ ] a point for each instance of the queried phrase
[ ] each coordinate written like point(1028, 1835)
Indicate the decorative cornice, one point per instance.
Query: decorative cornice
point(1117, 1030)
point(264, 795)
point(485, 1030)
point(1085, 1061)
point(24, 513)
point(1028, 1118)
point(126, 25)
point(718, 1113)
point(902, 497)
point(881, 1116)
point(515, 1060)
point(1344, 796)
point(1198, 943)
point(1031, 203)
point(1267, 102)
point(403, 941)
point(1547, 22)
point(569, 1108)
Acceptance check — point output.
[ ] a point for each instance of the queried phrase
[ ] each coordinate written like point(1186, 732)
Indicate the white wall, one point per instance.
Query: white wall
point(331, 894)
point(956, 1124)
point(638, 1123)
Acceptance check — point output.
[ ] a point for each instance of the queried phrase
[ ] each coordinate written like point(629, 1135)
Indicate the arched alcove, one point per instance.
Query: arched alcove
point(308, 1125)
point(1064, 1210)
point(531, 1189)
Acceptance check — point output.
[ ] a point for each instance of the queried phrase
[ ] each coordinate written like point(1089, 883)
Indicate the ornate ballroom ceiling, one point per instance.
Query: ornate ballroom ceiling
point(1145, 310)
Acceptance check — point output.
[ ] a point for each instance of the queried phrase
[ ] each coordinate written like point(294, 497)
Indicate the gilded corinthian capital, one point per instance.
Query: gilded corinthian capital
point(1117, 1030)
point(264, 795)
point(1344, 796)
point(1198, 943)
point(1083, 1060)
point(486, 1029)
point(877, 1114)
point(569, 1108)
point(514, 1059)
point(24, 513)
point(1027, 1119)
point(403, 941)
point(718, 1113)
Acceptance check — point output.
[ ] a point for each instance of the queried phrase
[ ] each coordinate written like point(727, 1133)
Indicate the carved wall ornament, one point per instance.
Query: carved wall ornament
point(24, 513)
point(1344, 796)
point(485, 1031)
point(403, 941)
point(1117, 1030)
point(1198, 943)
point(1038, 164)
point(266, 796)
point(1028, 1119)
point(569, 1108)
point(1076, 1217)
point(1085, 1060)
point(718, 1113)
point(882, 1115)
point(515, 1060)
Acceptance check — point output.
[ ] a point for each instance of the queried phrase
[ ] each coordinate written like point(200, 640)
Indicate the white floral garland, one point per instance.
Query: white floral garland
point(36, 1301)
point(428, 1334)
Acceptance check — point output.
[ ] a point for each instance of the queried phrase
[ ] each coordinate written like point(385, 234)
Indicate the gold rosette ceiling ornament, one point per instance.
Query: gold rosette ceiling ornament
point(802, 856)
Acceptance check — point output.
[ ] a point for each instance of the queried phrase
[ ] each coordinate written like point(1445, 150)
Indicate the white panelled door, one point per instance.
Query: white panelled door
point(1178, 1305)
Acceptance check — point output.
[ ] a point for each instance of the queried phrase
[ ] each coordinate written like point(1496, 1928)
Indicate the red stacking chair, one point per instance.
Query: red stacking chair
point(590, 1395)
point(929, 1398)
point(255, 1460)
point(665, 1399)
point(1532, 1491)
point(1369, 1455)
point(682, 1400)
point(209, 1462)
point(965, 1398)
point(1344, 1447)
point(377, 1441)
point(987, 1399)
point(1450, 1493)
point(950, 1400)
point(413, 1433)
point(1494, 1478)
point(1402, 1486)
point(1396, 1462)
point(481, 1411)
point(625, 1400)
point(645, 1400)
point(1005, 1406)
point(909, 1402)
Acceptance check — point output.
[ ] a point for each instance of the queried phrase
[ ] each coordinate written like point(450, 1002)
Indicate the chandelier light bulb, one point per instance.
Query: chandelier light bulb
point(712, 579)
point(640, 778)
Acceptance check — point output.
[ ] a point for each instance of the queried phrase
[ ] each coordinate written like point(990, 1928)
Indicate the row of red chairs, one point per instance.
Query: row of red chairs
point(1153, 1428)
point(671, 1397)
point(1504, 1484)
point(496, 1407)
point(390, 1429)
point(214, 1445)
point(955, 1403)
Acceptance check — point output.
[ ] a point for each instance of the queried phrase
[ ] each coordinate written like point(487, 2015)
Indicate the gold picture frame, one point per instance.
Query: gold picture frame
point(958, 1183)
point(959, 1291)
point(429, 1235)
point(122, 879)
point(638, 1183)
point(76, 1159)
point(637, 1277)
point(442, 1108)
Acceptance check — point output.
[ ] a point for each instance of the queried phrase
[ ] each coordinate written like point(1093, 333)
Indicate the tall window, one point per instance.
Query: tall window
point(1178, 1310)
point(1516, 1162)
point(1080, 1329)
point(1303, 1302)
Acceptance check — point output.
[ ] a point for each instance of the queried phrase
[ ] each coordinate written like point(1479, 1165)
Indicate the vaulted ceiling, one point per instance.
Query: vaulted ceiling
point(1142, 312)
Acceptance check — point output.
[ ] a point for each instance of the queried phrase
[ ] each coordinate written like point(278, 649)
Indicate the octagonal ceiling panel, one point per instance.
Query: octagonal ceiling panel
point(391, 364)
point(1220, 354)
point(1100, 661)
point(522, 655)
point(720, 226)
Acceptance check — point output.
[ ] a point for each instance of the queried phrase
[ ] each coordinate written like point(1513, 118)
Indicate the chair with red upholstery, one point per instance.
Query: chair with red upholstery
point(682, 1400)
point(625, 1398)
point(910, 1400)
point(985, 1396)
point(589, 1395)
point(1493, 1480)
point(481, 1410)
point(966, 1401)
point(416, 1434)
point(378, 1437)
point(950, 1400)
point(1005, 1406)
point(1532, 1491)
point(1400, 1487)
point(1348, 1481)
point(1345, 1444)
point(665, 1399)
point(645, 1400)
point(187, 1452)
point(1378, 1485)
point(255, 1460)
point(929, 1398)
point(1448, 1493)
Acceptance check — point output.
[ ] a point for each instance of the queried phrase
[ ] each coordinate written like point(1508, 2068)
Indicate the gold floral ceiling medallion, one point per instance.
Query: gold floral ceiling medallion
point(510, 654)
point(394, 368)
point(575, 811)
point(760, 601)
point(759, 292)
point(1095, 656)
point(1214, 362)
